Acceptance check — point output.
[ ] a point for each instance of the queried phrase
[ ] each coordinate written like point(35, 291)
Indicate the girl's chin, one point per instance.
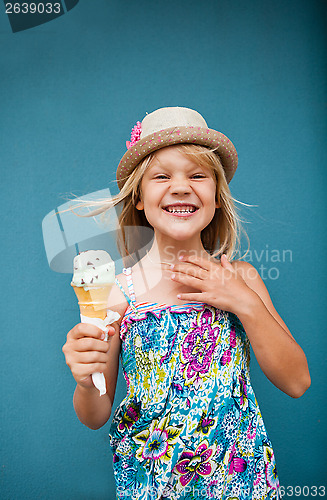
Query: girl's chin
point(177, 235)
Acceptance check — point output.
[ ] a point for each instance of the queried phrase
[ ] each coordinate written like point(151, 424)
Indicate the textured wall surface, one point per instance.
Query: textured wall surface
point(71, 90)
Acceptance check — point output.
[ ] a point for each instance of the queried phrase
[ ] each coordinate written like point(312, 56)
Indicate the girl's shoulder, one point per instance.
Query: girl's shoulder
point(239, 265)
point(254, 281)
point(246, 270)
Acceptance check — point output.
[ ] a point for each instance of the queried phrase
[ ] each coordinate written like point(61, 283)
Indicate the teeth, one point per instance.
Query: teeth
point(181, 210)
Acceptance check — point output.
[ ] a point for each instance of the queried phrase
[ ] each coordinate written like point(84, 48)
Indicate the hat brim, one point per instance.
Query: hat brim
point(209, 138)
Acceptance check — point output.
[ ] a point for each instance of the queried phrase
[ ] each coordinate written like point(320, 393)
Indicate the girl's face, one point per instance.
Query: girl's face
point(178, 196)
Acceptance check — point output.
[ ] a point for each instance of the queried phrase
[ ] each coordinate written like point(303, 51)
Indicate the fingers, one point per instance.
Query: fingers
point(189, 274)
point(197, 261)
point(225, 263)
point(202, 274)
point(82, 371)
point(189, 271)
point(86, 352)
point(86, 330)
point(90, 357)
point(194, 266)
point(191, 297)
point(203, 268)
point(197, 267)
point(185, 279)
point(83, 363)
point(91, 344)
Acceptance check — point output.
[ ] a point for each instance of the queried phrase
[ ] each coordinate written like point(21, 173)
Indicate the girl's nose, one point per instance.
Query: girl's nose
point(180, 186)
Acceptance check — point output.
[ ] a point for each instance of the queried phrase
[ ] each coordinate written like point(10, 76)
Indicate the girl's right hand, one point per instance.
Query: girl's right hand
point(86, 352)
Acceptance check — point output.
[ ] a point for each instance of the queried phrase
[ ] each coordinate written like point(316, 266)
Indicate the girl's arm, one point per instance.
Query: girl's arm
point(85, 354)
point(279, 356)
point(239, 289)
point(92, 409)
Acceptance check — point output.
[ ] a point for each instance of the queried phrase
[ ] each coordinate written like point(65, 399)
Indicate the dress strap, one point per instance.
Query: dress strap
point(131, 300)
point(122, 290)
point(128, 273)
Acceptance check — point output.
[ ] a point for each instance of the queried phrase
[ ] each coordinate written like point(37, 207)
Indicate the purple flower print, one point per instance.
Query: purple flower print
point(236, 464)
point(194, 464)
point(131, 415)
point(226, 357)
point(232, 337)
point(198, 348)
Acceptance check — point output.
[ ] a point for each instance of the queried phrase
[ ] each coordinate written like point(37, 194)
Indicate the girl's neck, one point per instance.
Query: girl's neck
point(169, 253)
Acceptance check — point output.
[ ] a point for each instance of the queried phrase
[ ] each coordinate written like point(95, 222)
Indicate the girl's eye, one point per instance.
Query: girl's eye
point(194, 176)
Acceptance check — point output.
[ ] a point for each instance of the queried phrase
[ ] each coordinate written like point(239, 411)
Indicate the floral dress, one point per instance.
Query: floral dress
point(190, 426)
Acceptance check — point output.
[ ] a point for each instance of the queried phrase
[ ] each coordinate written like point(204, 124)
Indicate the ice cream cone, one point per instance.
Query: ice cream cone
point(93, 278)
point(93, 302)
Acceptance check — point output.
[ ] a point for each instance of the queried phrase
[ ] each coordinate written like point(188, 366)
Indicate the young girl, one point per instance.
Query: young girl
point(190, 425)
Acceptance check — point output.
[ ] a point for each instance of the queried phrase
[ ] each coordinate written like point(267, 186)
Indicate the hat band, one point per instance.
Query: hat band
point(178, 135)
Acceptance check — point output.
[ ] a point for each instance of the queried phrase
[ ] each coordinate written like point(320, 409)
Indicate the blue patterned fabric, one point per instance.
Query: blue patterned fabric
point(190, 426)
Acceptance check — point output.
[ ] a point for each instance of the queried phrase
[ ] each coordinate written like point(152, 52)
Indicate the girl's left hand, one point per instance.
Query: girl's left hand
point(219, 285)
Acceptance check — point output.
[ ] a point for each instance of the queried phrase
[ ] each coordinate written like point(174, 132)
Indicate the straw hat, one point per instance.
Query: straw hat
point(168, 126)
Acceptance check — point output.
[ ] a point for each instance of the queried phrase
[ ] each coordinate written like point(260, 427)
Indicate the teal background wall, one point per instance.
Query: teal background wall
point(71, 90)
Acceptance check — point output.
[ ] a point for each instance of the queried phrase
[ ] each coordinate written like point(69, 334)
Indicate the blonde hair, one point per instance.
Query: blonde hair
point(225, 228)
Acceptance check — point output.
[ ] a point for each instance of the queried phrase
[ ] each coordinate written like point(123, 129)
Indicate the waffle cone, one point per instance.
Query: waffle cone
point(93, 303)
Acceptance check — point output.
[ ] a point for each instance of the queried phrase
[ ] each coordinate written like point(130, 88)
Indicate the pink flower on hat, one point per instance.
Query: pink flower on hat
point(135, 135)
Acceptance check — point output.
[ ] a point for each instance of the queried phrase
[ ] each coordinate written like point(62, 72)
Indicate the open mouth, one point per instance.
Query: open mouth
point(180, 209)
